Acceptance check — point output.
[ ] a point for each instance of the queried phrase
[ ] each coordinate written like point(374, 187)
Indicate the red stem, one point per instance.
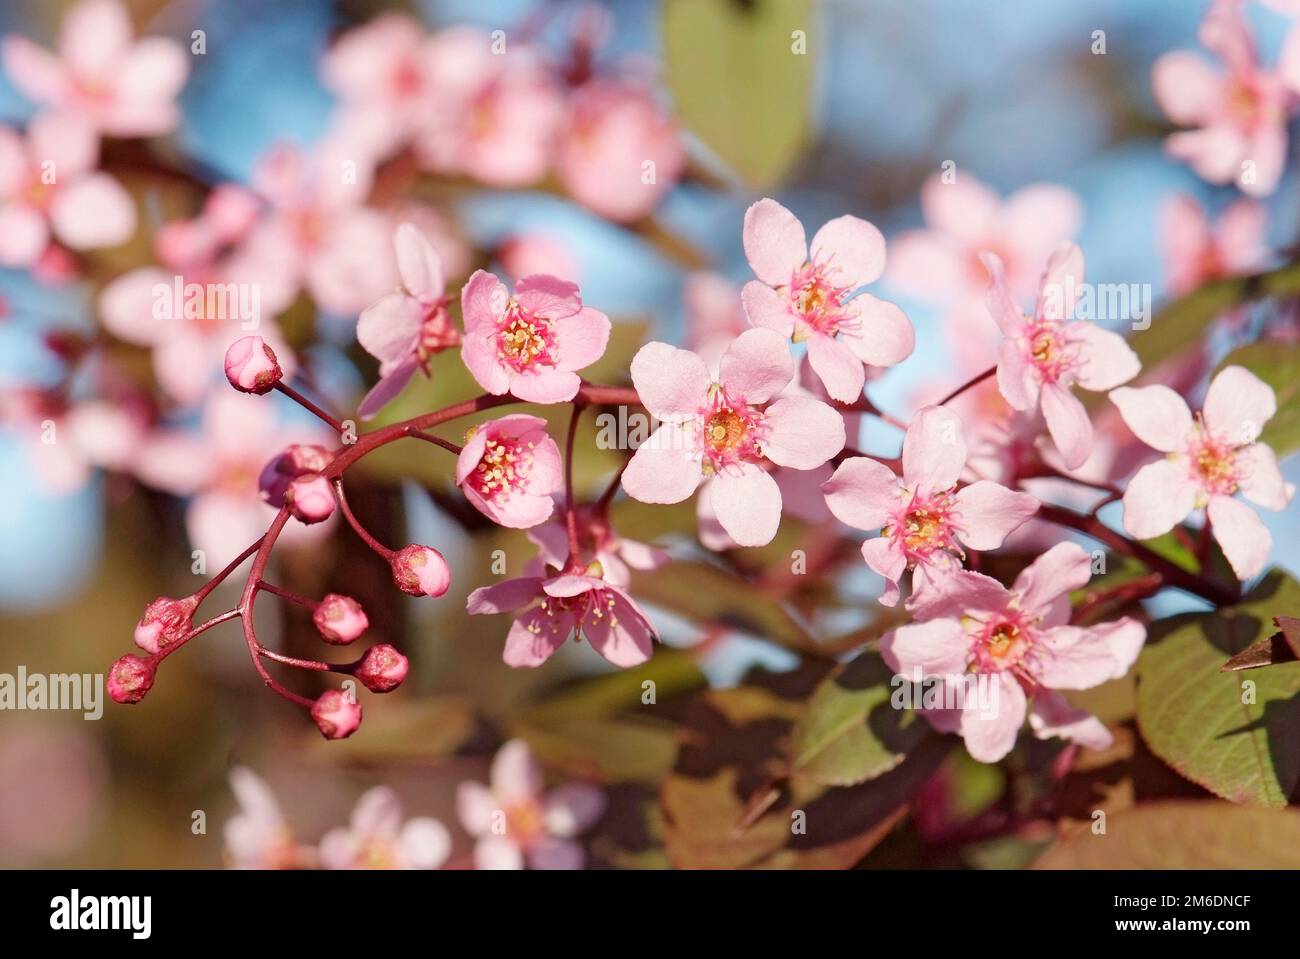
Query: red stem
point(311, 407)
point(570, 516)
point(360, 530)
point(974, 381)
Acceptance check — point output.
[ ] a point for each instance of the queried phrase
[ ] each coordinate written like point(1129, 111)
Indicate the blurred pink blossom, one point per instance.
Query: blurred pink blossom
point(377, 838)
point(517, 823)
point(1197, 250)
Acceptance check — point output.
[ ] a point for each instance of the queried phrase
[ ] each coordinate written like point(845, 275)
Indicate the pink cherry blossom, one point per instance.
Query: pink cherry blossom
point(1240, 114)
point(123, 87)
point(619, 153)
point(509, 469)
point(497, 112)
point(533, 343)
point(382, 73)
point(1197, 250)
point(1207, 459)
point(1043, 355)
point(924, 518)
point(218, 468)
point(405, 328)
point(1021, 641)
point(805, 294)
point(551, 610)
point(616, 555)
point(714, 314)
point(310, 498)
point(49, 186)
point(282, 469)
point(517, 823)
point(258, 836)
point(964, 218)
point(377, 838)
point(317, 234)
point(730, 428)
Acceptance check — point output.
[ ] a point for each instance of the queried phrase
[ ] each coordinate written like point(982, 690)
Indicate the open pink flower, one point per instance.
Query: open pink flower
point(924, 519)
point(123, 87)
point(728, 429)
point(1017, 643)
point(1046, 353)
point(599, 543)
point(258, 836)
point(376, 837)
point(620, 153)
point(805, 294)
point(552, 610)
point(533, 343)
point(1207, 460)
point(1241, 114)
point(496, 113)
point(964, 218)
point(1197, 251)
point(48, 185)
point(516, 822)
point(509, 469)
point(405, 328)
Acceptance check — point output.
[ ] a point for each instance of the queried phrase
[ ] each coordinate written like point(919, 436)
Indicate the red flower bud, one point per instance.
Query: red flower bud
point(421, 571)
point(310, 498)
point(336, 716)
point(382, 669)
point(340, 619)
point(165, 621)
point(130, 678)
point(284, 468)
point(251, 366)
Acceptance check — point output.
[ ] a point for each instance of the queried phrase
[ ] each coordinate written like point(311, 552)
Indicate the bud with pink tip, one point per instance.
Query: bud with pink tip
point(130, 678)
point(251, 365)
point(165, 621)
point(310, 498)
point(287, 466)
point(382, 669)
point(421, 571)
point(336, 716)
point(340, 619)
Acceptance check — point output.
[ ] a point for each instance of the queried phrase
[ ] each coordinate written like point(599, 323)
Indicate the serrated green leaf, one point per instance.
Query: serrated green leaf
point(1183, 835)
point(849, 732)
point(1235, 740)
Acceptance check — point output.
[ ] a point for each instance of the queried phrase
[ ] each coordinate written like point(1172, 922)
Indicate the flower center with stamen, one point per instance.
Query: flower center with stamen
point(1051, 353)
point(1214, 464)
point(524, 340)
point(1000, 643)
point(731, 431)
point(926, 527)
point(503, 468)
point(819, 303)
point(525, 822)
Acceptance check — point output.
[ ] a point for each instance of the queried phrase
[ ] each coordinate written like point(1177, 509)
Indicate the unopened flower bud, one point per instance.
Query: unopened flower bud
point(251, 365)
point(340, 619)
point(382, 668)
point(336, 716)
point(130, 678)
point(310, 498)
point(296, 460)
point(165, 621)
point(421, 571)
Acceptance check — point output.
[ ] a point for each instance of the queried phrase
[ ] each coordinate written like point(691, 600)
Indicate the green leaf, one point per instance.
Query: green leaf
point(850, 732)
point(1281, 647)
point(737, 81)
point(1183, 835)
point(1278, 365)
point(1235, 740)
point(1181, 323)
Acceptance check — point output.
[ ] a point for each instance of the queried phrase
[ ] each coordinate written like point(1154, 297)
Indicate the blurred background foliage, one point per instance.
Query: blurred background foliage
point(711, 775)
